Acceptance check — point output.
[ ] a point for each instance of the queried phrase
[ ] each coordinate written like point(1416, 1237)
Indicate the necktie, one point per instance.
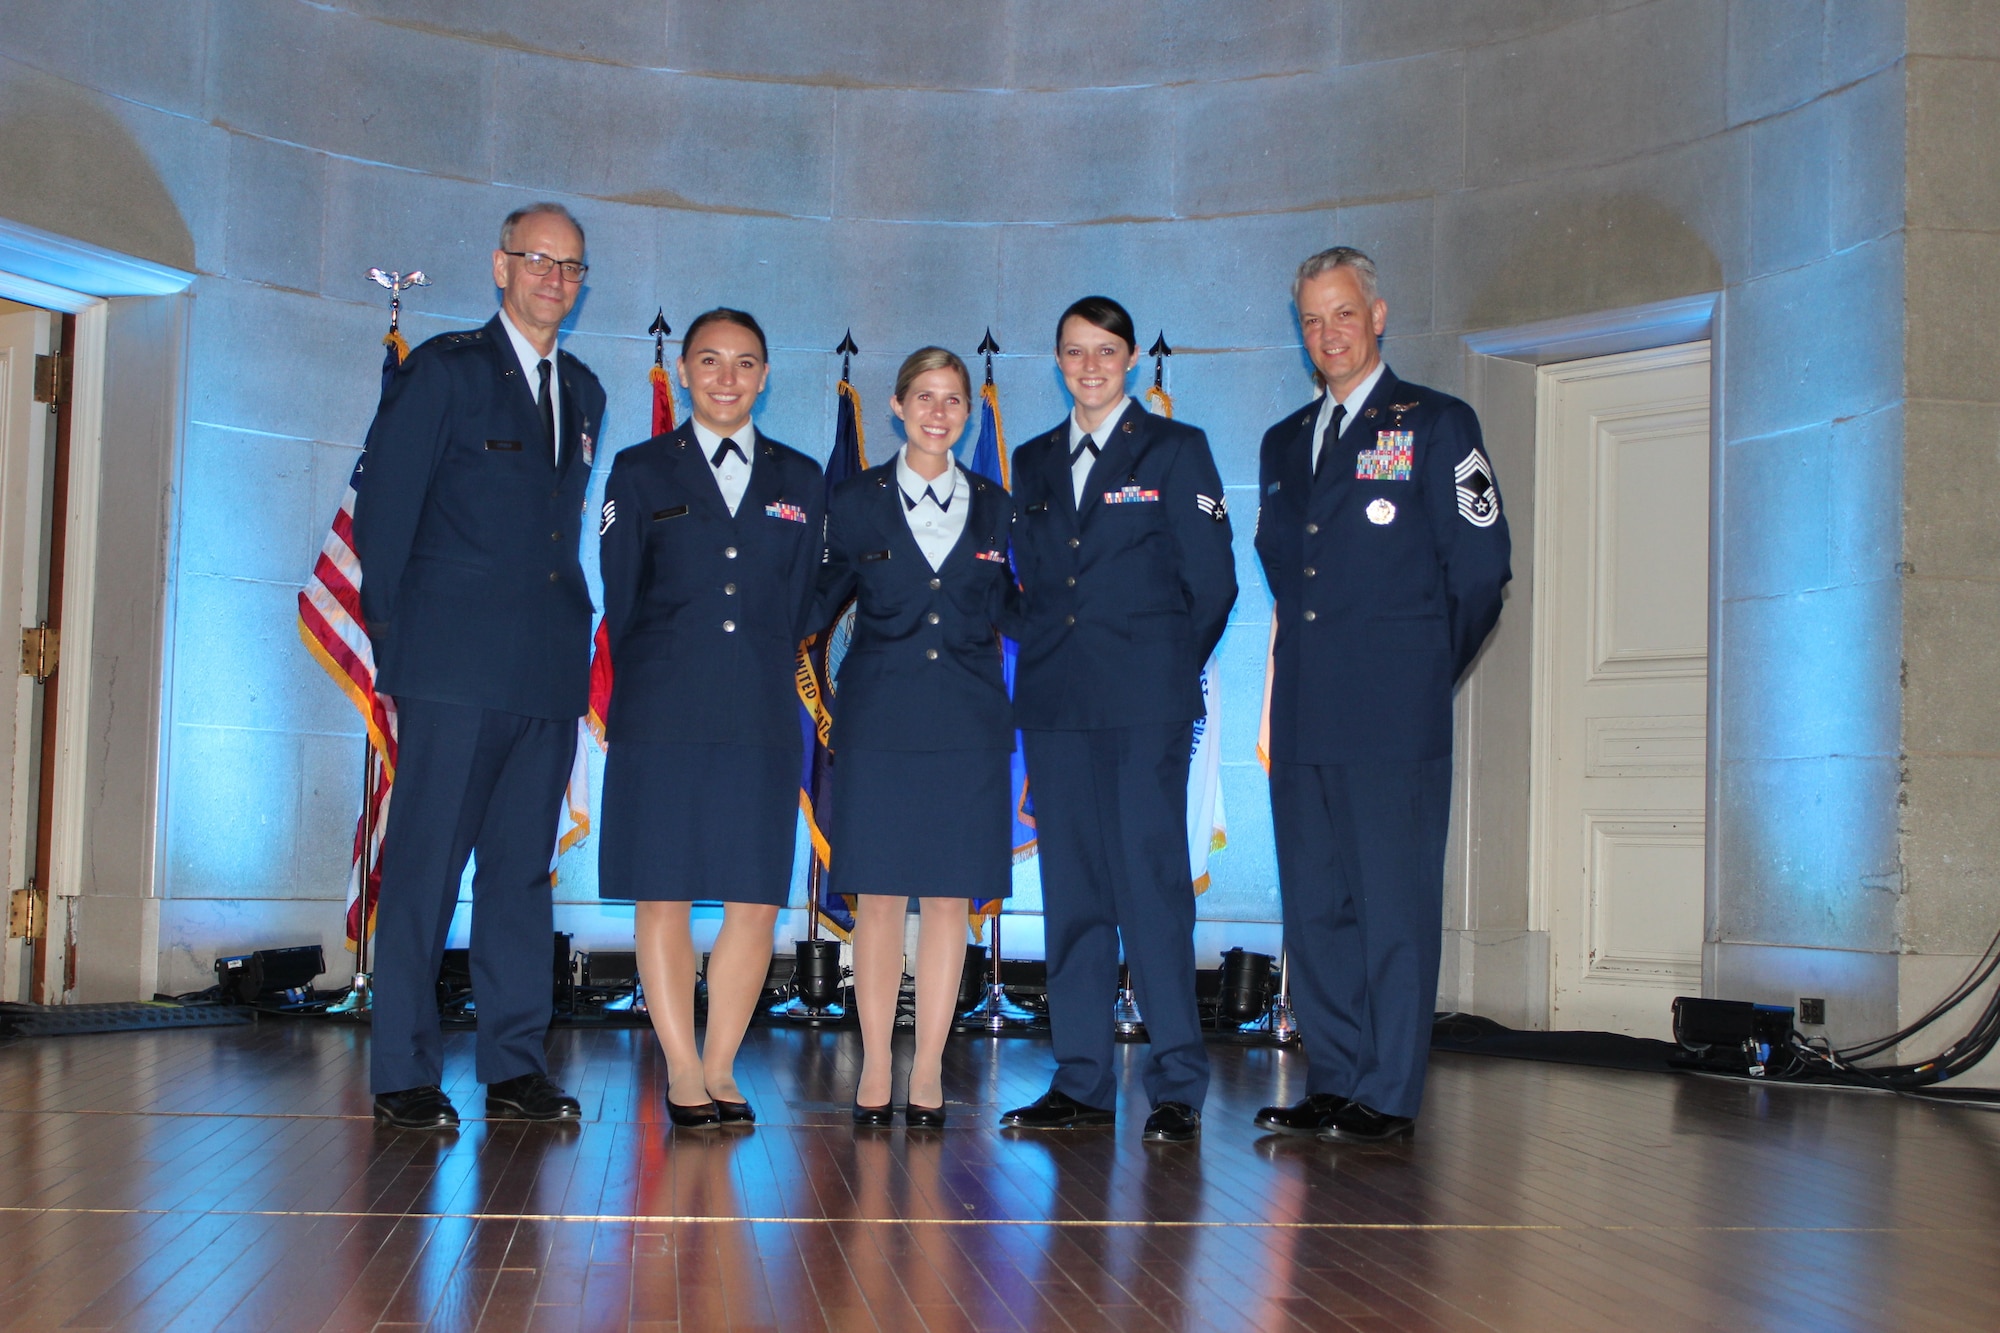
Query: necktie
point(1076, 453)
point(1332, 435)
point(548, 408)
point(727, 447)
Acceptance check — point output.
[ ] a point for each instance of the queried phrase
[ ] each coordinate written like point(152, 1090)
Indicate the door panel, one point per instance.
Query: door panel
point(1621, 660)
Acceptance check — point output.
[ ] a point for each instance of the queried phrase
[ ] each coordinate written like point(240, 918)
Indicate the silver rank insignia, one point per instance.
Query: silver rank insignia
point(1380, 511)
point(1478, 498)
point(1216, 508)
point(609, 517)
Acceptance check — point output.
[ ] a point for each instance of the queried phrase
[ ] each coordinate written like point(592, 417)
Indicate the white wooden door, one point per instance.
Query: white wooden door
point(24, 456)
point(1621, 666)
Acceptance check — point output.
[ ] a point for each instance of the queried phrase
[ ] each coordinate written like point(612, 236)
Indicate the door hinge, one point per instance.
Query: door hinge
point(24, 914)
point(52, 378)
point(41, 648)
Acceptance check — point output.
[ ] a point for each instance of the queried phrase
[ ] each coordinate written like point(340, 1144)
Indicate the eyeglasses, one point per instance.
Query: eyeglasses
point(539, 264)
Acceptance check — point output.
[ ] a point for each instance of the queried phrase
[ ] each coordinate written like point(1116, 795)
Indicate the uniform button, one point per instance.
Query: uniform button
point(729, 626)
point(930, 654)
point(1312, 529)
point(1070, 581)
point(932, 618)
point(937, 583)
point(729, 588)
point(554, 577)
point(1310, 571)
point(1312, 615)
point(729, 553)
point(555, 536)
point(1075, 542)
point(1069, 620)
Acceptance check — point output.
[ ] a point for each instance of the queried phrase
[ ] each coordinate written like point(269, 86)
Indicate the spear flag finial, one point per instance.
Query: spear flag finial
point(847, 349)
point(1159, 351)
point(660, 329)
point(987, 347)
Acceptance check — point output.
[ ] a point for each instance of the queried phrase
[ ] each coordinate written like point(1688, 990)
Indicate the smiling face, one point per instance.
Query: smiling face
point(538, 305)
point(933, 410)
point(1341, 327)
point(723, 369)
point(1094, 365)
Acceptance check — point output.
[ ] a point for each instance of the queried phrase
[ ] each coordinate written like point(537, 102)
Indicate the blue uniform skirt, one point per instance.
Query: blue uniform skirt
point(698, 823)
point(922, 823)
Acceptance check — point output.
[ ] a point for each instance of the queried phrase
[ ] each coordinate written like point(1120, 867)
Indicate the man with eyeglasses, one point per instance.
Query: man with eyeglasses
point(468, 513)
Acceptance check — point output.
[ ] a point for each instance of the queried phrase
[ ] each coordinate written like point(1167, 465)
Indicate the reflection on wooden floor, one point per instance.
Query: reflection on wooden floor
point(230, 1179)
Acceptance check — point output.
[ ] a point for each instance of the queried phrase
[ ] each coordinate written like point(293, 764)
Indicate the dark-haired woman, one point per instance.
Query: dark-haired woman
point(1122, 547)
point(710, 541)
point(922, 728)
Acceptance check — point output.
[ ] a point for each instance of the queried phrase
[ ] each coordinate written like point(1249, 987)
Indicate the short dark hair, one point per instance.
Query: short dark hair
point(527, 211)
point(722, 314)
point(1100, 312)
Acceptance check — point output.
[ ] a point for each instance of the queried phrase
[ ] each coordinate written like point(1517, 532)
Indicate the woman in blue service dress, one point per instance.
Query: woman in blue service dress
point(710, 539)
point(922, 729)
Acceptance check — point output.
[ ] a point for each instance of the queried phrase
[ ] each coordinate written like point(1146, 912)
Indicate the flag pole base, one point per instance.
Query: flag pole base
point(798, 1011)
point(1126, 1022)
point(1282, 1024)
point(356, 1000)
point(997, 1012)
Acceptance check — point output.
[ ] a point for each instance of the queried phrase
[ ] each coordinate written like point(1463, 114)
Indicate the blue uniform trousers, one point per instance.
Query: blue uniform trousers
point(468, 780)
point(1111, 830)
point(1361, 877)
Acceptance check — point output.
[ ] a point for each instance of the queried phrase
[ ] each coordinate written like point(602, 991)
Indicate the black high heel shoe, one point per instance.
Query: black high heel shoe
point(923, 1117)
point(701, 1116)
point(874, 1117)
point(735, 1113)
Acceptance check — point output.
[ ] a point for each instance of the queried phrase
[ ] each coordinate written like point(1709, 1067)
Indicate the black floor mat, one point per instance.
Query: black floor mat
point(1603, 1050)
point(66, 1020)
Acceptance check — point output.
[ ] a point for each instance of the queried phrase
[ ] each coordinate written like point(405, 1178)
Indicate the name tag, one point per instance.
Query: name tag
point(997, 557)
point(866, 556)
point(1131, 495)
point(676, 512)
point(1038, 507)
point(1389, 460)
point(504, 446)
point(791, 513)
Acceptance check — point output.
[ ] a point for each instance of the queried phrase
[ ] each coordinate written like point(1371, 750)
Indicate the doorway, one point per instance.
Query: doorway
point(1619, 693)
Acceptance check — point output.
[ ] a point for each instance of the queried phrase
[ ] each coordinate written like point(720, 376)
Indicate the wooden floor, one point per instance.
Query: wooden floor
point(231, 1179)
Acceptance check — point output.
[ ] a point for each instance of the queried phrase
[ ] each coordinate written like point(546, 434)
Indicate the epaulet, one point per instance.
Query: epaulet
point(462, 338)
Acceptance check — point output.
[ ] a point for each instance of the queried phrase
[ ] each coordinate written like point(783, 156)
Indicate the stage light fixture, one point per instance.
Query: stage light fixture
point(1734, 1035)
point(268, 973)
point(1246, 986)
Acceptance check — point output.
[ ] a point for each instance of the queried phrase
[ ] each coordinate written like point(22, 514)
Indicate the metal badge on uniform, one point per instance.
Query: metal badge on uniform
point(609, 516)
point(1131, 495)
point(1216, 508)
point(1478, 498)
point(677, 511)
point(589, 449)
point(1389, 460)
point(882, 554)
point(1380, 511)
point(996, 556)
point(784, 509)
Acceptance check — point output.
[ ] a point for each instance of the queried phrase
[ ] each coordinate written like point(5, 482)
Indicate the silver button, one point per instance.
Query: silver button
point(1069, 620)
point(554, 577)
point(1310, 571)
point(1070, 581)
point(729, 553)
point(932, 618)
point(1312, 615)
point(930, 654)
point(1312, 529)
point(729, 626)
point(1075, 542)
point(729, 588)
point(937, 583)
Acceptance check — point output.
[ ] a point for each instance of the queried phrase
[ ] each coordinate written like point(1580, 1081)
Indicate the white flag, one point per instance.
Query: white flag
point(1207, 829)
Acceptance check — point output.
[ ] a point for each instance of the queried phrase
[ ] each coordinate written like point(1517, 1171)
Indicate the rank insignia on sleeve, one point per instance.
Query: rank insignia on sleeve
point(997, 557)
point(1381, 512)
point(1478, 498)
point(1126, 495)
point(791, 513)
point(609, 517)
point(1389, 460)
point(1216, 508)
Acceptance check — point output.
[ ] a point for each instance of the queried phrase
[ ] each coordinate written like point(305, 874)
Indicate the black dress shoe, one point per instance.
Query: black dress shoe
point(923, 1117)
point(1355, 1123)
point(702, 1115)
point(1055, 1110)
point(1305, 1117)
point(874, 1117)
point(530, 1097)
point(416, 1108)
point(735, 1113)
point(1173, 1122)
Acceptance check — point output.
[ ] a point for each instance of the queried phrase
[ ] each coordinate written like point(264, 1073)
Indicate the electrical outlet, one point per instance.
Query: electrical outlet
point(1812, 1012)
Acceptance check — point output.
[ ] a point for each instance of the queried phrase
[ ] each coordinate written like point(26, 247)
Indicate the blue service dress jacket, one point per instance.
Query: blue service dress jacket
point(1386, 570)
point(468, 529)
point(1126, 596)
point(705, 609)
point(923, 669)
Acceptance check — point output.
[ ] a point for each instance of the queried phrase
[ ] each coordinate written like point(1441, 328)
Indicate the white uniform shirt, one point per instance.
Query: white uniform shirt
point(530, 359)
point(732, 474)
point(1352, 403)
point(1079, 468)
point(935, 525)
